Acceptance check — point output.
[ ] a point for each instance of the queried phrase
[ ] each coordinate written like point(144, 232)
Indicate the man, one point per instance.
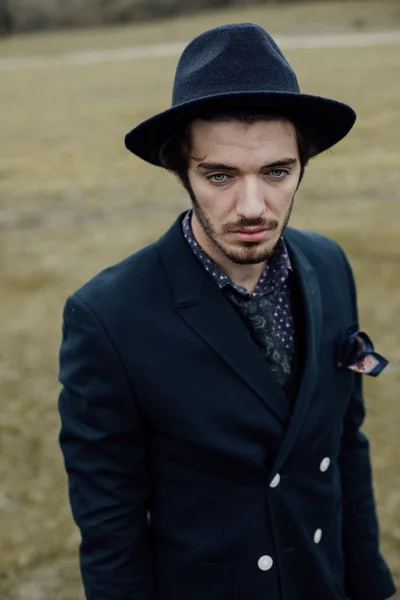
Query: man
point(211, 398)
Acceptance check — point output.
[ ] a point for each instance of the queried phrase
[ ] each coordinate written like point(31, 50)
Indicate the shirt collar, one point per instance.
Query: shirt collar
point(275, 274)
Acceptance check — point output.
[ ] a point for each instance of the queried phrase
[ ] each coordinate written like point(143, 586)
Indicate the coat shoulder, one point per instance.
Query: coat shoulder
point(319, 249)
point(127, 279)
point(311, 241)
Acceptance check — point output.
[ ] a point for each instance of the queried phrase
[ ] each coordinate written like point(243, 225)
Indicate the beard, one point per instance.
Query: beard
point(248, 253)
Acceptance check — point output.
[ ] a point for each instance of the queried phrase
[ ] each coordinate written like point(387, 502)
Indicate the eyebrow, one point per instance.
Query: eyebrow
point(215, 166)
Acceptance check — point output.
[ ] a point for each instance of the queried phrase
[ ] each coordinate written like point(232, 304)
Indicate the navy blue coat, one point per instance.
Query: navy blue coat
point(190, 475)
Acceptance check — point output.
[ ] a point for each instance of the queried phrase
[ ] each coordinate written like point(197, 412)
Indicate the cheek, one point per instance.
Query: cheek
point(219, 211)
point(279, 199)
point(202, 190)
point(215, 202)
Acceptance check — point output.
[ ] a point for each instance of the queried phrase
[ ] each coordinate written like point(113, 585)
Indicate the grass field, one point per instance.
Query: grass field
point(72, 201)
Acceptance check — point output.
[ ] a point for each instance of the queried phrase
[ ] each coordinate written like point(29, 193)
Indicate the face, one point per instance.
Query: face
point(242, 184)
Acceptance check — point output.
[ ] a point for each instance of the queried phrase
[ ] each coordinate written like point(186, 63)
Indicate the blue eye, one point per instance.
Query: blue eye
point(278, 173)
point(218, 178)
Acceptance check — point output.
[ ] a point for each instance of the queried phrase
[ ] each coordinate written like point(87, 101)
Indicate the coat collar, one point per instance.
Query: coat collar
point(312, 311)
point(205, 309)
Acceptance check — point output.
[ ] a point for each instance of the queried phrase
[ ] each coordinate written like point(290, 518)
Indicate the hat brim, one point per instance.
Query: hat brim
point(327, 121)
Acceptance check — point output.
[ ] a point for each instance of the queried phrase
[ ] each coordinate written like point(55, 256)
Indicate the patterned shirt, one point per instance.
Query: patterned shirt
point(267, 311)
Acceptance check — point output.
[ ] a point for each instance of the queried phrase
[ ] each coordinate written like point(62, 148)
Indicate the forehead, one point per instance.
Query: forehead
point(234, 140)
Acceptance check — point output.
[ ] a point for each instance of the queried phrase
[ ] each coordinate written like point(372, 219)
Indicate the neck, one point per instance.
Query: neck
point(246, 276)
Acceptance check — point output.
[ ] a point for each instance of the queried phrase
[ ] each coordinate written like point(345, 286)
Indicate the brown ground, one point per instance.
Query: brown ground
point(72, 200)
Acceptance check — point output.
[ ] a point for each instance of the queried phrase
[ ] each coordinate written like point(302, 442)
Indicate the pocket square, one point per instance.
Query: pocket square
point(357, 352)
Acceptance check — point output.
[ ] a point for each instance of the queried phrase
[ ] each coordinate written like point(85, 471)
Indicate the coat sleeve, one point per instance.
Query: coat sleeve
point(103, 440)
point(367, 574)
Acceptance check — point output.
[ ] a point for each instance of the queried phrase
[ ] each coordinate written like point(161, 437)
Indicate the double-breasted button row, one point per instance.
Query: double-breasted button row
point(324, 466)
point(265, 562)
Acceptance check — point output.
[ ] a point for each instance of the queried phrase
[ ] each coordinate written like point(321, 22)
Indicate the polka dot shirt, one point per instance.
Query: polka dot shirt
point(267, 310)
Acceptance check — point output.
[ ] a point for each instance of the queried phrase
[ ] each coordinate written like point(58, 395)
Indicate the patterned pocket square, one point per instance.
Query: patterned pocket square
point(357, 353)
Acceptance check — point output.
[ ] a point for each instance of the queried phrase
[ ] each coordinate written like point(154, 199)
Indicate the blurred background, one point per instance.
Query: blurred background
point(74, 77)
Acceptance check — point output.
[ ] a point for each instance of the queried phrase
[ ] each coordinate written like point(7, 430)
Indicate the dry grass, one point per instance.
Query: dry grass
point(72, 200)
point(300, 17)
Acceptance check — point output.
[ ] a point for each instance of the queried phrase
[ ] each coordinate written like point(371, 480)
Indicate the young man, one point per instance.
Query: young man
point(211, 399)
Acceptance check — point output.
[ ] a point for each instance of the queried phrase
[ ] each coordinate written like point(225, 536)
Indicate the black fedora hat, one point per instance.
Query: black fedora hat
point(232, 67)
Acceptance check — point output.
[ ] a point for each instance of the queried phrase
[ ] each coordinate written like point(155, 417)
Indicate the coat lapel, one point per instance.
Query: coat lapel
point(204, 308)
point(312, 310)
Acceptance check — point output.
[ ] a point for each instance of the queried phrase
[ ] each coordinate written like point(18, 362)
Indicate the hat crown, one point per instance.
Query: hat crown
point(232, 58)
point(237, 67)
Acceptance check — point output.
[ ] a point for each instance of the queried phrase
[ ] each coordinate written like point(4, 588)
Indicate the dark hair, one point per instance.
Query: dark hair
point(175, 152)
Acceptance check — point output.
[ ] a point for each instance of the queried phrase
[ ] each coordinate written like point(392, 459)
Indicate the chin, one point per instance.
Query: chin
point(250, 253)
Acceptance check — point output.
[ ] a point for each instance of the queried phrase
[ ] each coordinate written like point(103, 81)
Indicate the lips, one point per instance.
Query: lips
point(251, 230)
point(251, 235)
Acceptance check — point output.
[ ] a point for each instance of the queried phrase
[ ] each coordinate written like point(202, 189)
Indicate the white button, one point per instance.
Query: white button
point(265, 563)
point(276, 480)
point(324, 466)
point(318, 536)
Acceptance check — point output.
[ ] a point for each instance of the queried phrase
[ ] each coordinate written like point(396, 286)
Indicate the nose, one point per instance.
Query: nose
point(250, 202)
